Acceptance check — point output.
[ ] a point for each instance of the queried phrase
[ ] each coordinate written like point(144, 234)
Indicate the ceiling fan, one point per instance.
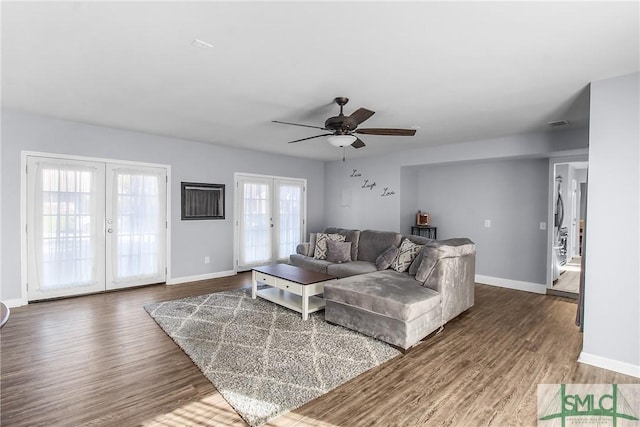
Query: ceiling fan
point(342, 128)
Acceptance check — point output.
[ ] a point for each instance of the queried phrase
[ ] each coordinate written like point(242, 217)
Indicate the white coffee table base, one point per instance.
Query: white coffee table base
point(294, 296)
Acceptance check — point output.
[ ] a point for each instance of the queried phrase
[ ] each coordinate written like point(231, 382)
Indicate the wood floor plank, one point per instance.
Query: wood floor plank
point(100, 360)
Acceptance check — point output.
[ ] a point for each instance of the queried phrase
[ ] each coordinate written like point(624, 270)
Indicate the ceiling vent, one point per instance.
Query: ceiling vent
point(559, 123)
point(201, 44)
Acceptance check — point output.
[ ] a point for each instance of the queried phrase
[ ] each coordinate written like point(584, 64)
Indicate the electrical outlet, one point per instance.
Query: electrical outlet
point(487, 223)
point(543, 225)
point(207, 260)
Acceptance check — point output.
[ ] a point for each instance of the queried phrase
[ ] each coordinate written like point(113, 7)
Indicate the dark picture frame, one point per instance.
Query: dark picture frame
point(202, 201)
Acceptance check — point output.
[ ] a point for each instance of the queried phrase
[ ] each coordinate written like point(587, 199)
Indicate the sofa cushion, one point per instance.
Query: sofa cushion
point(338, 251)
point(386, 292)
point(373, 243)
point(352, 268)
point(320, 251)
point(352, 236)
point(420, 240)
point(385, 259)
point(309, 263)
point(407, 252)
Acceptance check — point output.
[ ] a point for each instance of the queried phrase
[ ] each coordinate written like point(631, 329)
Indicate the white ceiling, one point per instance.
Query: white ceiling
point(459, 70)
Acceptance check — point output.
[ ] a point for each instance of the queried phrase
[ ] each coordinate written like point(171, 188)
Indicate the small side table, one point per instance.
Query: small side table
point(425, 231)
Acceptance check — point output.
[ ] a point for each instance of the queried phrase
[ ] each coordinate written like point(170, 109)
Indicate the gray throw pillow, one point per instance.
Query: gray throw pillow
point(338, 251)
point(321, 248)
point(385, 259)
point(430, 258)
point(415, 264)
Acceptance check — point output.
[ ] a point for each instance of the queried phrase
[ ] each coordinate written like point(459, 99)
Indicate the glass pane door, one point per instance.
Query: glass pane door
point(255, 221)
point(65, 219)
point(270, 219)
point(289, 217)
point(136, 224)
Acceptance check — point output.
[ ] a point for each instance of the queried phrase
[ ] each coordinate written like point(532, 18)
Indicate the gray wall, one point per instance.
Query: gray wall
point(191, 241)
point(400, 172)
point(368, 208)
point(612, 277)
point(512, 194)
point(409, 197)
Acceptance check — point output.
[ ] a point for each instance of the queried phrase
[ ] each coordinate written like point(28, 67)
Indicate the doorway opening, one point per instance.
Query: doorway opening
point(568, 219)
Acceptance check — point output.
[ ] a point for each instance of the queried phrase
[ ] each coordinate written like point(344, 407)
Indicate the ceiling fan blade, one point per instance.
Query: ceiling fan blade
point(358, 143)
point(387, 131)
point(359, 116)
point(297, 124)
point(311, 137)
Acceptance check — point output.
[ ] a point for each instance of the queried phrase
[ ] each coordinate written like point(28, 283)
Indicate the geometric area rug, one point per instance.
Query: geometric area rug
point(262, 358)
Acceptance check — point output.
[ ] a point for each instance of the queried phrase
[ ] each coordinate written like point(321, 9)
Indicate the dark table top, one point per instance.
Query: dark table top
point(294, 274)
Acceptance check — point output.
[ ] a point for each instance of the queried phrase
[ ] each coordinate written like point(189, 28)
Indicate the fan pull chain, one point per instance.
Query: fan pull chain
point(343, 154)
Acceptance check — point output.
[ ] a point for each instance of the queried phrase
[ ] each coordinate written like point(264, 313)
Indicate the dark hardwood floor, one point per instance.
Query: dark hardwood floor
point(101, 360)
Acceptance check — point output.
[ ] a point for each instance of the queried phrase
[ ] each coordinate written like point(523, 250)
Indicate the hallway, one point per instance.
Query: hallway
point(569, 280)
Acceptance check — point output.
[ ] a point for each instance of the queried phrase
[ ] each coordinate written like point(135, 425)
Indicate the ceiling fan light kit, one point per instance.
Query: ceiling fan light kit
point(341, 140)
point(343, 127)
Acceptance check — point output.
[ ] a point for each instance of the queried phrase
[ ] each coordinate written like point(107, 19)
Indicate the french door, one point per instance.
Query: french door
point(93, 226)
point(270, 219)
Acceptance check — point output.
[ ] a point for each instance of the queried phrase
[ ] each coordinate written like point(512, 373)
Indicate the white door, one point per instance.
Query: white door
point(65, 227)
point(288, 219)
point(270, 219)
point(136, 225)
point(93, 226)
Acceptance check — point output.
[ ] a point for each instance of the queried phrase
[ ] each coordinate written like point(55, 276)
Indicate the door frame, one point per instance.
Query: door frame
point(23, 206)
point(236, 202)
point(553, 161)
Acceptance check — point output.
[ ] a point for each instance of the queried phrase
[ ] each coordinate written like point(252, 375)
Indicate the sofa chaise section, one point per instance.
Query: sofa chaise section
point(401, 308)
point(385, 305)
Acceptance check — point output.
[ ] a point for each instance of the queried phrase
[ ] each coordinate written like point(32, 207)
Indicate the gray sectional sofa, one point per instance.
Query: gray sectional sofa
point(400, 308)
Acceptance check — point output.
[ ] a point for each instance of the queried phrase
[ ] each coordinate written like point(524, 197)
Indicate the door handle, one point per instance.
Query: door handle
point(109, 230)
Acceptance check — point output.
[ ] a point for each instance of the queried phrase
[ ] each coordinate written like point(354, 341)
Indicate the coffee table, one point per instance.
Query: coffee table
point(290, 286)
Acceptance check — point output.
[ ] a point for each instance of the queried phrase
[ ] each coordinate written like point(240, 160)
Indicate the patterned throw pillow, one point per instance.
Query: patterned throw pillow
point(320, 251)
point(406, 254)
point(338, 251)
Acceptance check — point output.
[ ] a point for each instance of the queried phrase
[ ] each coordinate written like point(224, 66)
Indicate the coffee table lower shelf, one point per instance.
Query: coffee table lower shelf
point(292, 287)
point(289, 300)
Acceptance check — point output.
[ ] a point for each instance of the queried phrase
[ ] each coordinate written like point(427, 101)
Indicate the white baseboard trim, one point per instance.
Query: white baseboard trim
point(216, 275)
point(537, 288)
point(610, 364)
point(16, 302)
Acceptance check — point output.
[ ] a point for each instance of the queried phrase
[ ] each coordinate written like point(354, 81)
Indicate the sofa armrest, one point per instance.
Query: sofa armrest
point(454, 279)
